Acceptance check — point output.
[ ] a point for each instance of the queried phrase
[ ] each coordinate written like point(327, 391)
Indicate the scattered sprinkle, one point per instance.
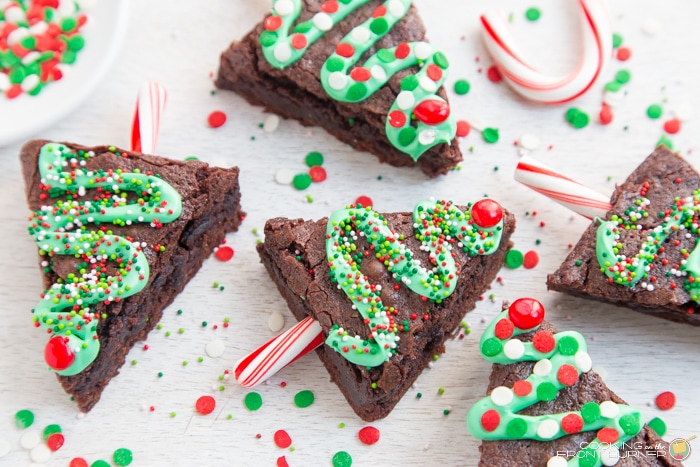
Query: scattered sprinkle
point(215, 348)
point(282, 439)
point(275, 321)
point(658, 425)
point(672, 126)
point(624, 54)
point(514, 259)
point(577, 118)
point(314, 158)
point(253, 401)
point(666, 400)
point(342, 459)
point(529, 141)
point(463, 128)
point(531, 259)
point(365, 201)
point(24, 418)
point(284, 176)
point(122, 457)
point(40, 454)
point(78, 462)
point(617, 40)
point(271, 123)
point(317, 174)
point(304, 398)
point(493, 74)
point(216, 119)
point(100, 463)
point(55, 441)
point(224, 253)
point(368, 435)
point(302, 181)
point(533, 14)
point(29, 439)
point(205, 405)
point(462, 87)
point(490, 135)
point(282, 462)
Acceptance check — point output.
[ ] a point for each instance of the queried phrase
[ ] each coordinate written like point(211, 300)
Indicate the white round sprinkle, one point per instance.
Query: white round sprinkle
point(38, 28)
point(514, 349)
point(556, 461)
point(284, 176)
point(276, 321)
point(529, 141)
point(682, 111)
point(5, 448)
point(215, 348)
point(396, 8)
point(14, 14)
point(428, 84)
point(284, 7)
point(405, 100)
point(17, 35)
point(337, 80)
point(283, 52)
point(609, 455)
point(323, 21)
point(271, 123)
point(360, 34)
point(609, 409)
point(422, 50)
point(40, 454)
point(501, 396)
point(583, 361)
point(650, 26)
point(547, 429)
point(613, 99)
point(542, 368)
point(378, 72)
point(4, 82)
point(30, 82)
point(30, 439)
point(426, 137)
point(31, 57)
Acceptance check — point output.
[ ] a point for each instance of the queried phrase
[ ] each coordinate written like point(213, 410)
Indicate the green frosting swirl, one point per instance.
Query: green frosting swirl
point(109, 267)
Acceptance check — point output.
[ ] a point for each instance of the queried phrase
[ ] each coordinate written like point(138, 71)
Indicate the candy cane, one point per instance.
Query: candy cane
point(150, 104)
point(278, 352)
point(533, 85)
point(565, 191)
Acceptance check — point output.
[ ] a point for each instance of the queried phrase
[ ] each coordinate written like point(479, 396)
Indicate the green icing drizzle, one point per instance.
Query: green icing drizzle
point(418, 119)
point(440, 227)
point(631, 270)
point(561, 358)
point(109, 267)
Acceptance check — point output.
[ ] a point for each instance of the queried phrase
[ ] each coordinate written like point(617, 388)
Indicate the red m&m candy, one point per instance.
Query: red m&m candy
point(526, 313)
point(487, 213)
point(432, 111)
point(58, 354)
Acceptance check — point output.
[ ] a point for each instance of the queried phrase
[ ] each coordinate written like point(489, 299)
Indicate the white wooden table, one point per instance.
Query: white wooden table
point(178, 44)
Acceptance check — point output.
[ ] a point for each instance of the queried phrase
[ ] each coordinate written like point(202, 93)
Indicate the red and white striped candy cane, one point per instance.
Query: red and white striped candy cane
point(278, 352)
point(150, 104)
point(533, 85)
point(565, 191)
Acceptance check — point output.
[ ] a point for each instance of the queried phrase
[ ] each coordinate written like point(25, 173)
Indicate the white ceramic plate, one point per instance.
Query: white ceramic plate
point(26, 115)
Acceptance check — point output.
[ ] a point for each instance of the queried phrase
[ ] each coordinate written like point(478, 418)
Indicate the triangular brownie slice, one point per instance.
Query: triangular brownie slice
point(119, 234)
point(361, 69)
point(546, 408)
point(644, 254)
point(393, 265)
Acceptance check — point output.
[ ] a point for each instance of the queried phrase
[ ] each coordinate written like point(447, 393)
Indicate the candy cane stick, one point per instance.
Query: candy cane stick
point(278, 352)
point(150, 104)
point(565, 191)
point(533, 85)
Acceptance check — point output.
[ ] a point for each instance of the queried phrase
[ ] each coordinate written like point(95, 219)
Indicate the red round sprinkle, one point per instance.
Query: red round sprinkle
point(345, 50)
point(397, 119)
point(360, 74)
point(606, 115)
point(272, 23)
point(624, 53)
point(13, 91)
point(434, 72)
point(365, 201)
point(672, 126)
point(216, 119)
point(490, 420)
point(282, 439)
point(379, 12)
point(55, 441)
point(78, 462)
point(402, 50)
point(493, 74)
point(205, 405)
point(486, 213)
point(369, 435)
point(567, 375)
point(666, 400)
point(224, 253)
point(543, 341)
point(504, 328)
point(299, 41)
point(318, 173)
point(282, 462)
point(572, 423)
point(331, 6)
point(463, 128)
point(522, 388)
point(608, 435)
point(531, 259)
point(526, 313)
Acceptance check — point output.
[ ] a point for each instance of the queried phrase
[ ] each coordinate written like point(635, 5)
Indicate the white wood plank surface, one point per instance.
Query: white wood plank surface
point(178, 43)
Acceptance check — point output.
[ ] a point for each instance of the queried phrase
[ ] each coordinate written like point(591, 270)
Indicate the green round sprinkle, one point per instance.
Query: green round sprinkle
point(441, 391)
point(342, 459)
point(567, 345)
point(302, 181)
point(579, 262)
point(571, 114)
point(630, 424)
point(409, 83)
point(357, 91)
point(52, 429)
point(253, 401)
point(446, 412)
point(590, 412)
point(386, 55)
point(160, 374)
point(546, 391)
point(68, 24)
point(379, 25)
point(577, 118)
point(28, 42)
point(24, 418)
point(314, 158)
point(516, 428)
point(617, 40)
point(268, 38)
point(191, 158)
point(341, 425)
point(658, 425)
point(134, 362)
point(623, 76)
point(462, 87)
point(76, 43)
point(588, 457)
point(69, 57)
point(335, 64)
point(407, 135)
point(440, 60)
point(172, 414)
point(613, 86)
point(16, 75)
point(304, 399)
point(533, 14)
point(514, 258)
point(491, 346)
point(490, 135)
point(303, 27)
point(654, 111)
point(100, 463)
point(122, 457)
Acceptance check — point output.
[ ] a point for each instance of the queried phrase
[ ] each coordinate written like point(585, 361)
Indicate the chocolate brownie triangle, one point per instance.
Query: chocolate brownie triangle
point(659, 199)
point(361, 69)
point(119, 234)
point(584, 422)
point(296, 257)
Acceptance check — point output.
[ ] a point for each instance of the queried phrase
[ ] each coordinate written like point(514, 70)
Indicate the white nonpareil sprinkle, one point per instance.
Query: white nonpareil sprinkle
point(29, 439)
point(271, 123)
point(529, 141)
point(40, 454)
point(275, 321)
point(284, 176)
point(215, 348)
